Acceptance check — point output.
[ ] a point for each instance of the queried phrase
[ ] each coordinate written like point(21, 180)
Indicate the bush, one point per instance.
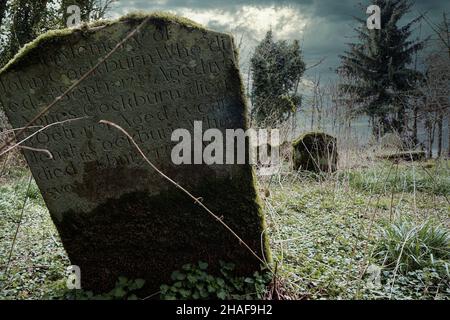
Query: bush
point(195, 283)
point(125, 289)
point(315, 152)
point(414, 247)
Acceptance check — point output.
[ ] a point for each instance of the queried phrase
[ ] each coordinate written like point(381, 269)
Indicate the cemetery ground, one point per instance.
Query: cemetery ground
point(329, 234)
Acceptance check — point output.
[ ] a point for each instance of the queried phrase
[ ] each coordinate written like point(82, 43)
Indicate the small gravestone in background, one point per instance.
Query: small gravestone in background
point(316, 152)
point(392, 147)
point(116, 216)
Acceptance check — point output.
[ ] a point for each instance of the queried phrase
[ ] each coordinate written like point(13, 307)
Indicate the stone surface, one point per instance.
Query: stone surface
point(116, 216)
point(408, 156)
point(316, 152)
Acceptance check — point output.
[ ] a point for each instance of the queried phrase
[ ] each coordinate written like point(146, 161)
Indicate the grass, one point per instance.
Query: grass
point(385, 177)
point(316, 238)
point(409, 246)
point(329, 233)
point(340, 236)
point(38, 263)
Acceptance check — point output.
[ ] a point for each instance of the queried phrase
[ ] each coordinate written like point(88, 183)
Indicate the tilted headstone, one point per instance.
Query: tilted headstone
point(116, 215)
point(316, 152)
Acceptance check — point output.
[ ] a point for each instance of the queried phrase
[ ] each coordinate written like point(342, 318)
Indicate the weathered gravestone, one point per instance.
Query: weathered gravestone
point(316, 152)
point(115, 214)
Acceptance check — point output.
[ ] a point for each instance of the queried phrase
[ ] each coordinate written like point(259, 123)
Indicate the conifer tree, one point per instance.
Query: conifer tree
point(379, 66)
point(276, 68)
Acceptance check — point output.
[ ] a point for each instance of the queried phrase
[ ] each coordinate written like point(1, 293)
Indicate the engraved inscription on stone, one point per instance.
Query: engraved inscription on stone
point(116, 216)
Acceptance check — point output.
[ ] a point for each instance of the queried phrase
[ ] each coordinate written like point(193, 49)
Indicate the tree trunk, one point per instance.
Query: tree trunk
point(440, 134)
point(399, 125)
point(415, 138)
point(448, 137)
point(319, 118)
point(375, 127)
point(430, 141)
point(25, 18)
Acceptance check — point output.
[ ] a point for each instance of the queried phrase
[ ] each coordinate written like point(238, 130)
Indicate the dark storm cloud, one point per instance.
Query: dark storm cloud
point(334, 9)
point(329, 23)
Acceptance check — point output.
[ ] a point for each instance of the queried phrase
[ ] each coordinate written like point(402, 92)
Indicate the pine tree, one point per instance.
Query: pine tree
point(276, 68)
point(379, 65)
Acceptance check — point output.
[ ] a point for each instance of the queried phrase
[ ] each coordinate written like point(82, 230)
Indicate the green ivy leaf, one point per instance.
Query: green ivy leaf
point(177, 275)
point(222, 295)
point(164, 288)
point(249, 280)
point(122, 281)
point(187, 267)
point(211, 289)
point(177, 285)
point(139, 283)
point(119, 292)
point(185, 293)
point(220, 282)
point(191, 278)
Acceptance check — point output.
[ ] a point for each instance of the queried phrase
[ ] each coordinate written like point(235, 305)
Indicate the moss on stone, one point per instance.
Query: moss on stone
point(265, 249)
point(160, 16)
point(29, 48)
point(61, 34)
point(413, 155)
point(316, 152)
point(145, 236)
point(266, 252)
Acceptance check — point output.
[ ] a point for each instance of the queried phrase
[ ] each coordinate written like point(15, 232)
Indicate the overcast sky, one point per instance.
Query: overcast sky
point(323, 26)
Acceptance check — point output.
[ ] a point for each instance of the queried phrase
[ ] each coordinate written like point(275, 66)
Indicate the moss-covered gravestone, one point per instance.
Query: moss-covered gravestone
point(115, 214)
point(316, 152)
